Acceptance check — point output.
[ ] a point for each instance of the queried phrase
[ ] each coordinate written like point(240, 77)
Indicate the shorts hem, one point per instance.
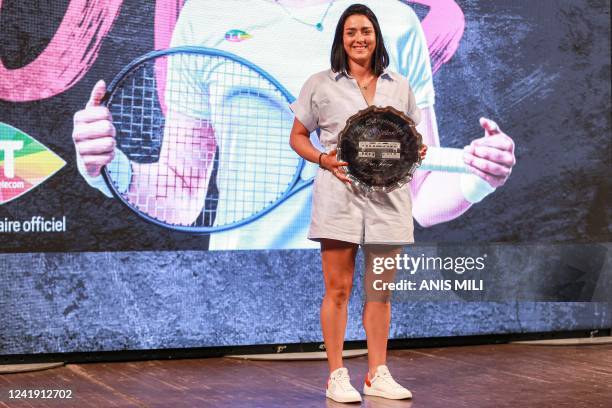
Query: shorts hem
point(388, 242)
point(318, 238)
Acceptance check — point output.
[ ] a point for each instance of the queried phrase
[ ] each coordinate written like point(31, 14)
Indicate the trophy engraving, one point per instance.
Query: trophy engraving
point(381, 147)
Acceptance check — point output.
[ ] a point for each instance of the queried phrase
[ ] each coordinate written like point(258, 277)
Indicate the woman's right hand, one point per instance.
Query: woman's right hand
point(94, 133)
point(329, 162)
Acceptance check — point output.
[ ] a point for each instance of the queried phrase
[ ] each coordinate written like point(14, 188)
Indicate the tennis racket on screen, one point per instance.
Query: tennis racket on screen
point(205, 134)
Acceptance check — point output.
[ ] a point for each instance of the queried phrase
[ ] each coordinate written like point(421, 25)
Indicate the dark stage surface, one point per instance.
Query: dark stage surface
point(509, 375)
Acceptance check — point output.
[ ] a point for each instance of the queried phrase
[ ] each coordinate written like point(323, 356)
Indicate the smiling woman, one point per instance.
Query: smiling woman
point(359, 45)
point(379, 221)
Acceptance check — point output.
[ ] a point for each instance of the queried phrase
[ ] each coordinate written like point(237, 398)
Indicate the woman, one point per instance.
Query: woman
point(343, 217)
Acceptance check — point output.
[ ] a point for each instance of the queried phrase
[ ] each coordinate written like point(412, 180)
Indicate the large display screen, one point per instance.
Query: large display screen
point(540, 71)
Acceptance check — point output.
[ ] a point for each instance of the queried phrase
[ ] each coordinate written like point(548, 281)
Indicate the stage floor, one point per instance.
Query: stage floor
point(509, 375)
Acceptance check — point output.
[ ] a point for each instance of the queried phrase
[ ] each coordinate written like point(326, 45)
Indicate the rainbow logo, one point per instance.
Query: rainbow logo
point(237, 35)
point(24, 163)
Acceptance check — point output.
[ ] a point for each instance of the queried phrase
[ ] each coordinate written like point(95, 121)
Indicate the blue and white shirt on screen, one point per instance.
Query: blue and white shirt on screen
point(281, 41)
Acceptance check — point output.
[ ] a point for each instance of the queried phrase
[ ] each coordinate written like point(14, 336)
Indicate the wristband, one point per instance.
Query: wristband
point(474, 188)
point(120, 165)
point(320, 156)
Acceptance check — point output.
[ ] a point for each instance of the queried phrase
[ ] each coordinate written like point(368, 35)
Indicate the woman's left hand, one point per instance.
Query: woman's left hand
point(491, 157)
point(423, 151)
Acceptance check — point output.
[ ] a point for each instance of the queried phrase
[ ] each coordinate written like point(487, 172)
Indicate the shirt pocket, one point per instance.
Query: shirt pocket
point(402, 105)
point(325, 110)
point(335, 108)
point(394, 99)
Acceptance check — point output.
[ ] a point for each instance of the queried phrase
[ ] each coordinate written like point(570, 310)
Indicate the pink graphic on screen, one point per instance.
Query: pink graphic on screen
point(443, 27)
point(76, 45)
point(68, 57)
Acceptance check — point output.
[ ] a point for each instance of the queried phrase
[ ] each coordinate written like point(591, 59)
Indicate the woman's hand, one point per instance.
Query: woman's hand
point(329, 162)
point(423, 151)
point(94, 133)
point(492, 156)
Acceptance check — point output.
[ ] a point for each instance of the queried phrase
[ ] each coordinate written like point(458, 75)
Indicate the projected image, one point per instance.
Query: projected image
point(226, 115)
point(193, 152)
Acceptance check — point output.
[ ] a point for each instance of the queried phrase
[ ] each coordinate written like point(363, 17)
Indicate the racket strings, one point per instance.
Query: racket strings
point(218, 155)
point(251, 110)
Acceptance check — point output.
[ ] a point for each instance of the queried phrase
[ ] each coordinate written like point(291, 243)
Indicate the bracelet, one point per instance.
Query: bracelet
point(320, 156)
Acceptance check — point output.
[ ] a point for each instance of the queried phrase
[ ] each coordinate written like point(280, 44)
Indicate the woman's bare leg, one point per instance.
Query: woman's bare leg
point(377, 308)
point(338, 259)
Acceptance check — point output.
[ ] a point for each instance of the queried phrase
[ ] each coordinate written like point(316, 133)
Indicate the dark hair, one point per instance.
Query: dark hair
point(339, 59)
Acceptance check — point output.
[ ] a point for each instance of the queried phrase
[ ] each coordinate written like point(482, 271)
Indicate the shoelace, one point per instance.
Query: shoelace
point(389, 379)
point(344, 381)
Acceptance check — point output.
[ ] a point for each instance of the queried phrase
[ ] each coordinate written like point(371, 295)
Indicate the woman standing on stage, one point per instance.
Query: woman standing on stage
point(344, 217)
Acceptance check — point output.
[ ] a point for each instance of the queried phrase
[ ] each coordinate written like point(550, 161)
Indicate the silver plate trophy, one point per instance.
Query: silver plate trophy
point(381, 147)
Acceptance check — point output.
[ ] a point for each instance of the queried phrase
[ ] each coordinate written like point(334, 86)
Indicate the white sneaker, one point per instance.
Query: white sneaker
point(339, 387)
point(383, 385)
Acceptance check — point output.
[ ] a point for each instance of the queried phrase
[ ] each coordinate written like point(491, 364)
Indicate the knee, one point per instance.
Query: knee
point(339, 294)
point(383, 296)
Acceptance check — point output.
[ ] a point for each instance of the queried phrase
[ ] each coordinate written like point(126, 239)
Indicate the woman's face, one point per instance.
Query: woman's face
point(359, 39)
